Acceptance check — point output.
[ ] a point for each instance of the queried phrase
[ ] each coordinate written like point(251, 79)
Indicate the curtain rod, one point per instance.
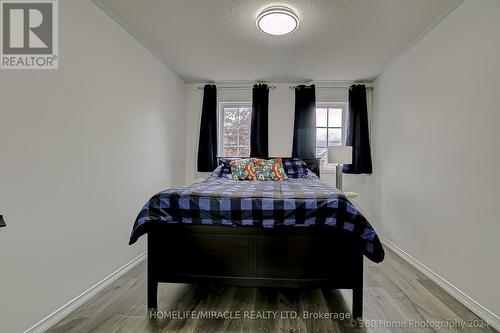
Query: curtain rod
point(246, 87)
point(333, 88)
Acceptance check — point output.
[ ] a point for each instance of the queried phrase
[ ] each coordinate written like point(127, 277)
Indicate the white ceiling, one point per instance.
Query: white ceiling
point(205, 40)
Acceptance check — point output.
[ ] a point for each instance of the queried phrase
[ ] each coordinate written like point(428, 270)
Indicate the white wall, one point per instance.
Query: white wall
point(281, 115)
point(81, 149)
point(436, 122)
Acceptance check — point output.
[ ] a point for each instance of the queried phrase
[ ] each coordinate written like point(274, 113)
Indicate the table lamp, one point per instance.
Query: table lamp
point(339, 155)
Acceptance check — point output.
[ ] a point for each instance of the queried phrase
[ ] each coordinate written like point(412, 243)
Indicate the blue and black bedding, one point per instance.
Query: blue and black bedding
point(294, 202)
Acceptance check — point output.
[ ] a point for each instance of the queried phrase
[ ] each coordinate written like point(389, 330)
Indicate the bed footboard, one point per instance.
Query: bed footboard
point(247, 256)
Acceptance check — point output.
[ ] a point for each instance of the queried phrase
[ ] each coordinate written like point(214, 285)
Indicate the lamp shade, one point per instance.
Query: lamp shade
point(340, 154)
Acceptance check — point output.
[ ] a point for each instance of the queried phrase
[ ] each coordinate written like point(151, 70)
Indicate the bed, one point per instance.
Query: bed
point(297, 232)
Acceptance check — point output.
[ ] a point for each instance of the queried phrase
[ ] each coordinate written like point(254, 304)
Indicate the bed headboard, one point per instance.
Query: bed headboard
point(312, 163)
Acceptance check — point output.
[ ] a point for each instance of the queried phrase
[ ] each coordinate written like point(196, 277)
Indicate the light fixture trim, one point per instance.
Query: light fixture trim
point(280, 13)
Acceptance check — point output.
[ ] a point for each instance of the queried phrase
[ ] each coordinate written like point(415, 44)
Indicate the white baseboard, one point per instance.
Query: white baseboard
point(79, 300)
point(492, 319)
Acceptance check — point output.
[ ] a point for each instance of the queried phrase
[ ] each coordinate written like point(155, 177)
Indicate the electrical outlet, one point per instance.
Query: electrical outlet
point(2, 221)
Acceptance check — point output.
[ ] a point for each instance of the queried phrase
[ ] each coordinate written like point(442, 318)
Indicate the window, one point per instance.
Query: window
point(330, 129)
point(234, 133)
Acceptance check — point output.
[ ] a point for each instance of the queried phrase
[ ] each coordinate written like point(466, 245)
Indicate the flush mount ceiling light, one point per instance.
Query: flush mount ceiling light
point(277, 21)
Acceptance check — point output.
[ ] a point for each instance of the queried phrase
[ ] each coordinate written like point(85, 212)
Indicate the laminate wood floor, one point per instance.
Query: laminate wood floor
point(397, 298)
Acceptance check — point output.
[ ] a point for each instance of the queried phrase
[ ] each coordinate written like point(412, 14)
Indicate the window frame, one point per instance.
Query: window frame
point(220, 122)
point(333, 105)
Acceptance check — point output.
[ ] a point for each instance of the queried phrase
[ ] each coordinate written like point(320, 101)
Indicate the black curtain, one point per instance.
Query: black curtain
point(304, 127)
point(207, 145)
point(259, 136)
point(358, 135)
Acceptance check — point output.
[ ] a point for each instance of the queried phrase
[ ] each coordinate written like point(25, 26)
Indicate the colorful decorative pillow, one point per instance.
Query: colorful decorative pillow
point(295, 167)
point(243, 169)
point(269, 169)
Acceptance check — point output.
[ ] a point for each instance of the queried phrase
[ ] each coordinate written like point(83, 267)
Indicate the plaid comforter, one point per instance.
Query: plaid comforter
point(292, 202)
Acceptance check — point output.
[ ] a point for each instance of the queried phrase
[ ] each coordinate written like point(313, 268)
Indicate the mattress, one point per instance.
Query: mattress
point(294, 203)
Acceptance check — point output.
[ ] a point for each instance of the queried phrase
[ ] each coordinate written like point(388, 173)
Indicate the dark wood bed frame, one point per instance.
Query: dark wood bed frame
point(281, 257)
